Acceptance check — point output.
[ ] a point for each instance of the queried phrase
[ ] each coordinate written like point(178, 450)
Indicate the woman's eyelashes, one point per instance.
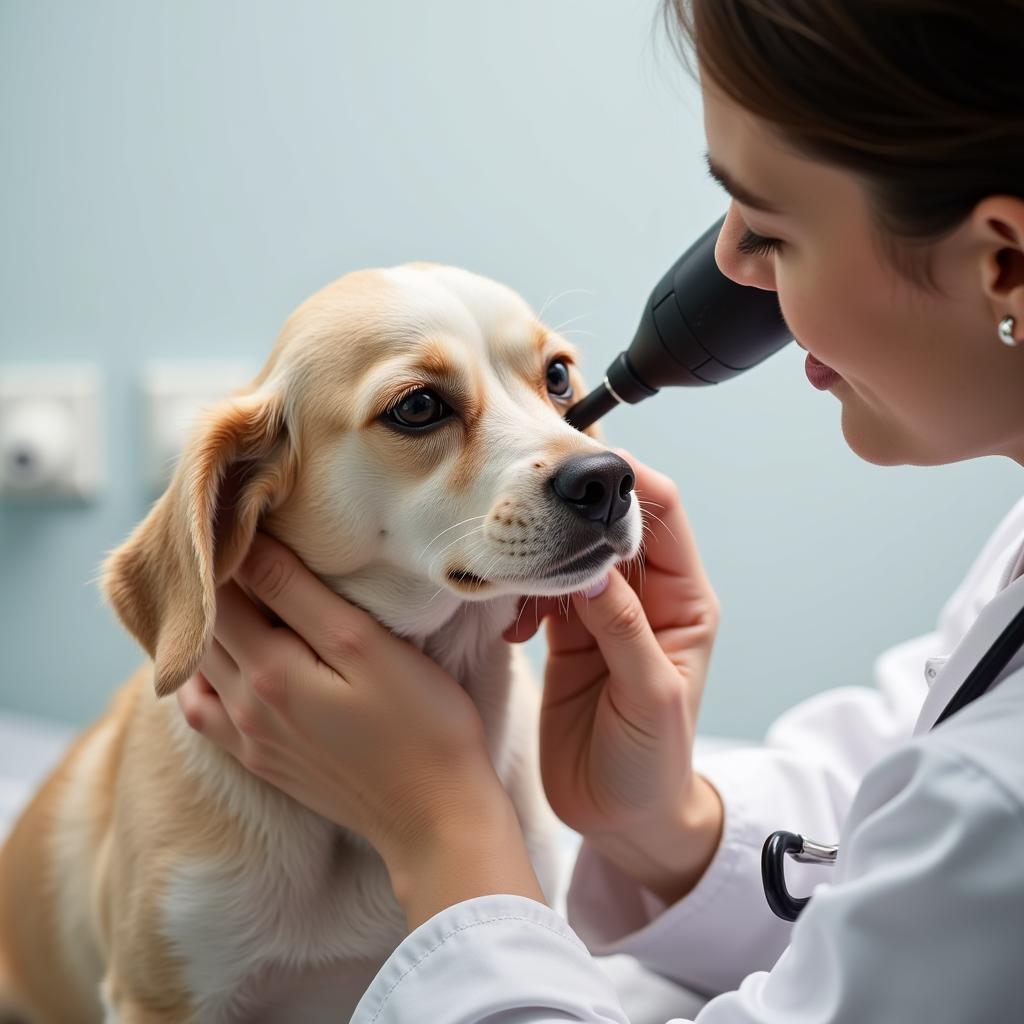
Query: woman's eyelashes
point(751, 244)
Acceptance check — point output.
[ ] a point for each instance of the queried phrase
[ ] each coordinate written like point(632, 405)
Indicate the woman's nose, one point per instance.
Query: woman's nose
point(752, 270)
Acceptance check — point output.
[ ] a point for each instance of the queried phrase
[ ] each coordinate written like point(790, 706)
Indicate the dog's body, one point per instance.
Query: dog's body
point(153, 879)
point(224, 899)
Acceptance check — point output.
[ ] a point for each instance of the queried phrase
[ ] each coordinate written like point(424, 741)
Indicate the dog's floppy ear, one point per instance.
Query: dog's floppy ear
point(162, 581)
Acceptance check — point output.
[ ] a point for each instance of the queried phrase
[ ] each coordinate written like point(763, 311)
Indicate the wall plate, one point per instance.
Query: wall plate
point(173, 394)
point(51, 431)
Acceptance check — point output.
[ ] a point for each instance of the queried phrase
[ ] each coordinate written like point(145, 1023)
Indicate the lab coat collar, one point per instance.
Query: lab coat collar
point(991, 621)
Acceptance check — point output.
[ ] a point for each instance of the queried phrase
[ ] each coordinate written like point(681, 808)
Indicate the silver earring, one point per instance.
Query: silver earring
point(1006, 326)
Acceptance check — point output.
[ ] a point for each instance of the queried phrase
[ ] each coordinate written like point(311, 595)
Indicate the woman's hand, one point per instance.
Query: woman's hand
point(622, 687)
point(348, 719)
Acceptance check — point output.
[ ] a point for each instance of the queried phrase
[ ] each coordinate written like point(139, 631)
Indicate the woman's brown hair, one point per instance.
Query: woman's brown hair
point(922, 99)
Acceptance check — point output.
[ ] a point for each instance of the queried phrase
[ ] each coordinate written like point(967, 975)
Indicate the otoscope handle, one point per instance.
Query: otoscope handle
point(699, 327)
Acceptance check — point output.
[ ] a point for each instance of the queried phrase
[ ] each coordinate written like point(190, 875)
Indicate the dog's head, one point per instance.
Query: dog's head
point(406, 439)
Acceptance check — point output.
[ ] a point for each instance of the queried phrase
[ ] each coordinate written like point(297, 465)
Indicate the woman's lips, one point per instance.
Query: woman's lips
point(820, 375)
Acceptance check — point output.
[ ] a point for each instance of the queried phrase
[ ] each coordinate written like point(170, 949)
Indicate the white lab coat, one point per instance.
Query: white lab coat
point(921, 919)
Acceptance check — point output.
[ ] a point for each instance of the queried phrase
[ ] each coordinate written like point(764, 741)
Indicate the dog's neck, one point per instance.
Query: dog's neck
point(463, 637)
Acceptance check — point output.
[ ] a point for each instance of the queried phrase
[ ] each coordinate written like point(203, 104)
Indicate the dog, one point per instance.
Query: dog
point(406, 438)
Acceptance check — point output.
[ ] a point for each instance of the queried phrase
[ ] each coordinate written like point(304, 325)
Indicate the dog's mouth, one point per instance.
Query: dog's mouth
point(582, 563)
point(466, 581)
point(577, 565)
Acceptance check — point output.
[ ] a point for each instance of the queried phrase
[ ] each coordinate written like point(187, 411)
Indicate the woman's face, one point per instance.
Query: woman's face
point(923, 376)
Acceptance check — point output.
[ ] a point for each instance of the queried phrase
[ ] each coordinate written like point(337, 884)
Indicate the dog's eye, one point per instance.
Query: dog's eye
point(559, 384)
point(419, 409)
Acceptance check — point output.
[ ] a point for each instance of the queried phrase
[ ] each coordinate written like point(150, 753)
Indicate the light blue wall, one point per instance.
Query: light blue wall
point(177, 176)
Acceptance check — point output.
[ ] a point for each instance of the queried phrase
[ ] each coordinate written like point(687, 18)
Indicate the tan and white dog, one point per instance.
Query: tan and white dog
point(406, 439)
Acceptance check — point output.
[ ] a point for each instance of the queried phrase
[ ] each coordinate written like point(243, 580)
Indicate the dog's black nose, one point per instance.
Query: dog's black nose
point(595, 486)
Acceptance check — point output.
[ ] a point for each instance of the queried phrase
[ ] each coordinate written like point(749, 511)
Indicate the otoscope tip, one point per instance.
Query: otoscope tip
point(589, 409)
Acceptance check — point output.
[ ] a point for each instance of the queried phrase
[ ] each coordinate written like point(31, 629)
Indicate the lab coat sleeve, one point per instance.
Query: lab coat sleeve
point(803, 779)
point(912, 866)
point(493, 958)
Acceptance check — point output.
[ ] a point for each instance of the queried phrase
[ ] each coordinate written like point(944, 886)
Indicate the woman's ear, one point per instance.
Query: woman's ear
point(998, 222)
point(239, 464)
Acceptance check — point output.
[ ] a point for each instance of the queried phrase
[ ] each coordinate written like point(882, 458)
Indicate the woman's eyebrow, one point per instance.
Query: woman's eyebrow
point(736, 190)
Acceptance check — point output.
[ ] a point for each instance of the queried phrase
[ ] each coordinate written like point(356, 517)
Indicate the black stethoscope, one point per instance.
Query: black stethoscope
point(804, 850)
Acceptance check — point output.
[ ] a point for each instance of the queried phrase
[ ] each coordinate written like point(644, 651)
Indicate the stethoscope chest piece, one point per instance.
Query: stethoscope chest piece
point(773, 873)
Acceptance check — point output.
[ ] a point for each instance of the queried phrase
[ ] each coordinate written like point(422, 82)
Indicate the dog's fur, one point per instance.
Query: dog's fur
point(153, 879)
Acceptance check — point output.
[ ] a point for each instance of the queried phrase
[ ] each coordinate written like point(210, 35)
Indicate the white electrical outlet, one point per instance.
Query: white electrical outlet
point(50, 431)
point(173, 395)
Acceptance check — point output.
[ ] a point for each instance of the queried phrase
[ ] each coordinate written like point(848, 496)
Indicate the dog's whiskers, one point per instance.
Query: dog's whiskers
point(469, 556)
point(579, 330)
point(520, 615)
point(494, 561)
point(571, 320)
point(465, 536)
point(647, 512)
point(561, 295)
point(444, 531)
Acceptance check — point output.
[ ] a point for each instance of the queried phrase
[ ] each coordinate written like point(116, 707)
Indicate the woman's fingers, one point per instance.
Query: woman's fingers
point(205, 713)
point(340, 633)
point(669, 543)
point(240, 627)
point(246, 645)
point(217, 664)
point(617, 622)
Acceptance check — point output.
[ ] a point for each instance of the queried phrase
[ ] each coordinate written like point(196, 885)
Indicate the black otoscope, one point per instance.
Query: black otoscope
point(699, 327)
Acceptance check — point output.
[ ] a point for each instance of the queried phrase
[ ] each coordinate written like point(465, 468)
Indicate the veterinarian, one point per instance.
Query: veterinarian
point(874, 154)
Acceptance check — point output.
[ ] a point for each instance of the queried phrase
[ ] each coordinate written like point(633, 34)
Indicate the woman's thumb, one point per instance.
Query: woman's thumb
point(614, 616)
